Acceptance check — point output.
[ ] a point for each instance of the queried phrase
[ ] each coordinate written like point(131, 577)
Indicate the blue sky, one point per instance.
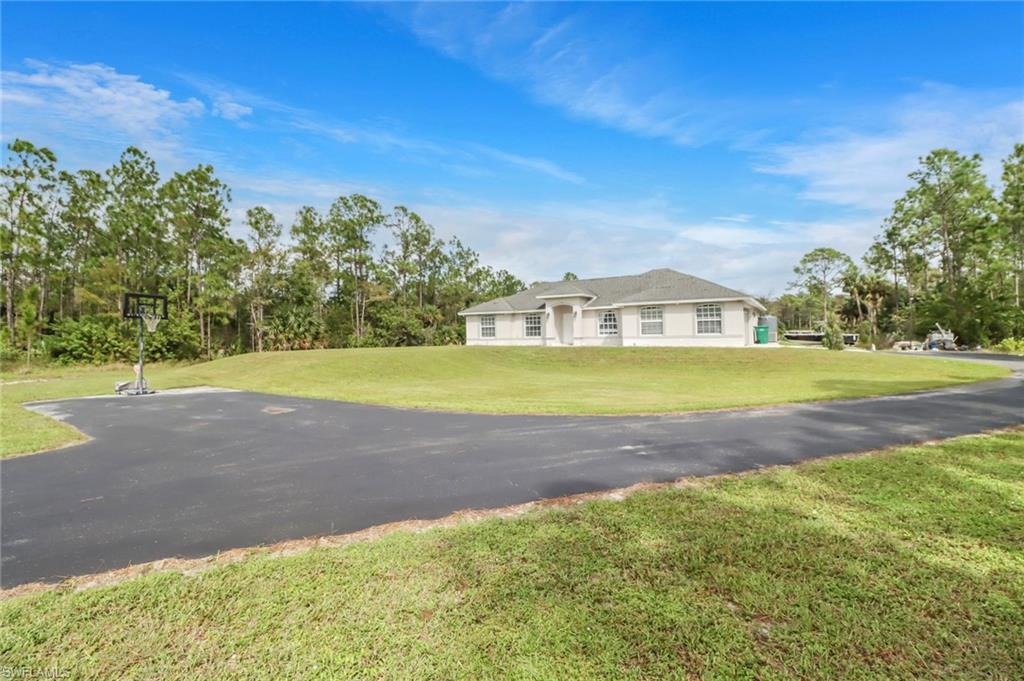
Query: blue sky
point(723, 140)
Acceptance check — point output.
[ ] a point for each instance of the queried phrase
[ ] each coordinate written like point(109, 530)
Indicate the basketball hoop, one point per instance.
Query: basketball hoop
point(151, 321)
point(150, 309)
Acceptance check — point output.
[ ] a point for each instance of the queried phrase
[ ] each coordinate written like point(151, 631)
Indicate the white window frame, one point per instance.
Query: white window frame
point(488, 326)
point(527, 327)
point(655, 315)
point(709, 314)
point(608, 323)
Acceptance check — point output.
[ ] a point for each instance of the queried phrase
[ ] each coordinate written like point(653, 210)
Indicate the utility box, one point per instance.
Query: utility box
point(772, 322)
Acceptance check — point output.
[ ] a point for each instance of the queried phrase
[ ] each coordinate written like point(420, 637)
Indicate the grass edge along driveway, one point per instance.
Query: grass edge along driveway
point(607, 381)
point(906, 563)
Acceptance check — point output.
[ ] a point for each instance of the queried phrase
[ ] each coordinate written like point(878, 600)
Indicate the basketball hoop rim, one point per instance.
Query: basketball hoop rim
point(151, 321)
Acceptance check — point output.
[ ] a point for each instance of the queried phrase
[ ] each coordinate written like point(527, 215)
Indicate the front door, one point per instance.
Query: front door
point(567, 327)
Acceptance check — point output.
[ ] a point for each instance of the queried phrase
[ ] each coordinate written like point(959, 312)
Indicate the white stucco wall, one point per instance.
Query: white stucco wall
point(588, 333)
point(679, 321)
point(509, 329)
point(680, 327)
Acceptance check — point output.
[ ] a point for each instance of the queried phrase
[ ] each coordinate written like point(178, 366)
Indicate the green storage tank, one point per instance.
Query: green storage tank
point(761, 333)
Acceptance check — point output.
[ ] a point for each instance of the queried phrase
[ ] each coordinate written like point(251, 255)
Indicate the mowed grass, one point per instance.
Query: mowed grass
point(23, 431)
point(583, 380)
point(509, 380)
point(902, 564)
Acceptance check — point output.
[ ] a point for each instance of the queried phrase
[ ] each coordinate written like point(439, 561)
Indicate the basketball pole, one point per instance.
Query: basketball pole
point(141, 381)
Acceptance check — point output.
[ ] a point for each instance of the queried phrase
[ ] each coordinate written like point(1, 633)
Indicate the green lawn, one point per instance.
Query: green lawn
point(23, 431)
point(511, 380)
point(904, 564)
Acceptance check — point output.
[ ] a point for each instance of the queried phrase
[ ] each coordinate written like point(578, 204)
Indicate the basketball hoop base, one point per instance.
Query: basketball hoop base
point(136, 391)
point(136, 387)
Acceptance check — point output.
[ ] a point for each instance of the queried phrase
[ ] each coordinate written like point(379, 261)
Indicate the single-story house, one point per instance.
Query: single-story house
point(660, 307)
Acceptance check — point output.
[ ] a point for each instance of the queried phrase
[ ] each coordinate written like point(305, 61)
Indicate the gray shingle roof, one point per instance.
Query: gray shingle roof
point(654, 286)
point(567, 288)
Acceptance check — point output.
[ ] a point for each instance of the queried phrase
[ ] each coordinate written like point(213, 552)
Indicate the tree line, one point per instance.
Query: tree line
point(72, 242)
point(951, 252)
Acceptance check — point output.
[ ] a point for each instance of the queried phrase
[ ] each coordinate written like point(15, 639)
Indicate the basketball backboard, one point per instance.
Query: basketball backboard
point(141, 305)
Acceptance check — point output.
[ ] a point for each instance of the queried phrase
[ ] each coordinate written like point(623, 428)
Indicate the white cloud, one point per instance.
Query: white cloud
point(602, 238)
point(540, 165)
point(599, 73)
point(90, 111)
point(312, 190)
point(739, 217)
point(725, 237)
point(94, 103)
point(568, 63)
point(464, 158)
point(231, 111)
point(868, 169)
point(378, 138)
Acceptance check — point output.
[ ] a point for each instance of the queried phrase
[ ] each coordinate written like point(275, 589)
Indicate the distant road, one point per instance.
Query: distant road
point(1014, 362)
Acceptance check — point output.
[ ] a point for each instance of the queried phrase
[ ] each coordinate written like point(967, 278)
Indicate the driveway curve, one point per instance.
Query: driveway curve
point(191, 473)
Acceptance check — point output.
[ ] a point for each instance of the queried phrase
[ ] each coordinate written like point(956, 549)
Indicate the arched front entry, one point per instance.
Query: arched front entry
point(563, 318)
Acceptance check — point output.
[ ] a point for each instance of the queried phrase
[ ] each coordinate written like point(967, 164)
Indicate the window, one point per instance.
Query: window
point(608, 324)
point(487, 326)
point(709, 318)
point(650, 321)
point(533, 326)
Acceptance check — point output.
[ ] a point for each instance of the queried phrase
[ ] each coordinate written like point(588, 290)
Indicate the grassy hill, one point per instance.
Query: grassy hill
point(507, 380)
point(582, 380)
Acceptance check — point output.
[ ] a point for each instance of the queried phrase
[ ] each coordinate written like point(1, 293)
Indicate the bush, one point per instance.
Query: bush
point(295, 329)
point(833, 339)
point(93, 339)
point(8, 352)
point(175, 338)
point(101, 339)
point(1014, 346)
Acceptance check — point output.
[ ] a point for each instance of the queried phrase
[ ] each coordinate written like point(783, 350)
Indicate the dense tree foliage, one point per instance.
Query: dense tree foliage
point(72, 243)
point(951, 252)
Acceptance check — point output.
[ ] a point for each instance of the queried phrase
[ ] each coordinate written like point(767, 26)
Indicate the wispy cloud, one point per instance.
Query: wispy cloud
point(377, 138)
point(596, 238)
point(309, 190)
point(459, 156)
point(228, 102)
point(94, 102)
point(566, 62)
point(97, 91)
point(84, 108)
point(540, 165)
point(229, 110)
point(567, 59)
point(739, 217)
point(868, 169)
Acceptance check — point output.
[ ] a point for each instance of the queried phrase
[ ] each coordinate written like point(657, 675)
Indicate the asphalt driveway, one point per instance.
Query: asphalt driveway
point(191, 474)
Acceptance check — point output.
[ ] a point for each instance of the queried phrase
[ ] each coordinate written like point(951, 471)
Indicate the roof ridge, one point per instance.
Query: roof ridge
point(568, 281)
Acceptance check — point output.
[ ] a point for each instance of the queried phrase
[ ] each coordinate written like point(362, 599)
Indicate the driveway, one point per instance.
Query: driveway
point(189, 474)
